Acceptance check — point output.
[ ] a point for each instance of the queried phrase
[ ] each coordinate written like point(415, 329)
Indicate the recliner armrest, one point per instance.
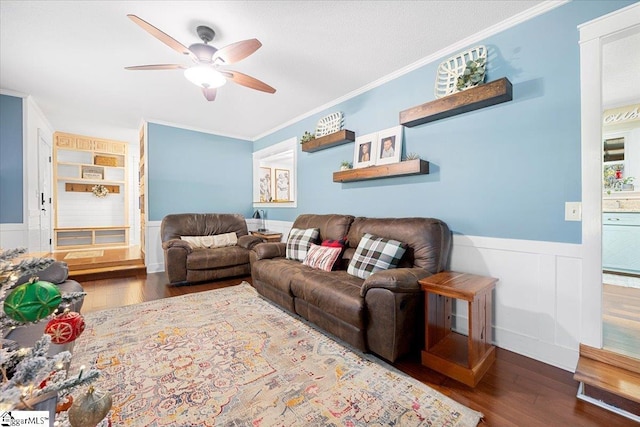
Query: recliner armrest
point(395, 279)
point(177, 243)
point(248, 241)
point(270, 250)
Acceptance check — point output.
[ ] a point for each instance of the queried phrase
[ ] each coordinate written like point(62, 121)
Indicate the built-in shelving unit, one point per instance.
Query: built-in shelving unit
point(406, 168)
point(82, 219)
point(337, 138)
point(495, 92)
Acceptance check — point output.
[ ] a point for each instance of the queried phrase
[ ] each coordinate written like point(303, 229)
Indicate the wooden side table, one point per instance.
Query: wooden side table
point(267, 236)
point(464, 358)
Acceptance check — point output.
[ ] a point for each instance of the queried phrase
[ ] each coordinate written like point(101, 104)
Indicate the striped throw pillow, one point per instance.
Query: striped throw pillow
point(300, 241)
point(374, 254)
point(322, 257)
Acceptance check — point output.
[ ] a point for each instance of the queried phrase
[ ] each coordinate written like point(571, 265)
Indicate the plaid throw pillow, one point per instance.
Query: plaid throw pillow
point(322, 257)
point(299, 242)
point(374, 254)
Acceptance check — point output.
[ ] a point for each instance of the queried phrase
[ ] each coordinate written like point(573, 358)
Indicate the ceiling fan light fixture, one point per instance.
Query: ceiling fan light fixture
point(204, 76)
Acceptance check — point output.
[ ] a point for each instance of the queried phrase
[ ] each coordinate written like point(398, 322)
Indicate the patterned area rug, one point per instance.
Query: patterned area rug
point(84, 254)
point(228, 357)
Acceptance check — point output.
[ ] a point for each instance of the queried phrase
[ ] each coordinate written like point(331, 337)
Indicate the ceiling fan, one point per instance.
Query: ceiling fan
point(206, 72)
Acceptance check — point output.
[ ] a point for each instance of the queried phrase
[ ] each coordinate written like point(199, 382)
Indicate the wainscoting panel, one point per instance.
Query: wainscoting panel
point(13, 236)
point(537, 298)
point(537, 301)
point(154, 254)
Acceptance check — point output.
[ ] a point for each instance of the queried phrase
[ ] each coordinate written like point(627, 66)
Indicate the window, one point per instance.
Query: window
point(275, 175)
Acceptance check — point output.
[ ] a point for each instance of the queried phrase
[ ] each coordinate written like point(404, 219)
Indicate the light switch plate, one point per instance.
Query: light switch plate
point(573, 211)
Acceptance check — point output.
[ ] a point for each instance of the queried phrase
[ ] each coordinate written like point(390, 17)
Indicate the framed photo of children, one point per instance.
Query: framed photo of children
point(283, 184)
point(389, 147)
point(364, 151)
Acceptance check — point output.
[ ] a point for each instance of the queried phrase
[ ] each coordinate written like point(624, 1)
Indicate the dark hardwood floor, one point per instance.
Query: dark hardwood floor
point(516, 391)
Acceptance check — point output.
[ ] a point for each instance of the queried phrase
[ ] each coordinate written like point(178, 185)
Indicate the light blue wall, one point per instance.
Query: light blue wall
point(504, 171)
point(197, 172)
point(11, 160)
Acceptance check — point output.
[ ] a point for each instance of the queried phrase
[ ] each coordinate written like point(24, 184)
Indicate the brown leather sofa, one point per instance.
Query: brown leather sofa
point(383, 313)
point(185, 264)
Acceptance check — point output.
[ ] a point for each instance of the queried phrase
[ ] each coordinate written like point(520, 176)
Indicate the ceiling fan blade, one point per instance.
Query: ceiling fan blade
point(237, 51)
point(156, 67)
point(248, 81)
point(209, 93)
point(160, 35)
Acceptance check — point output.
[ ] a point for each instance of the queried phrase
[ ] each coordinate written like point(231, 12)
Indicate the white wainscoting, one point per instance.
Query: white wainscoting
point(13, 236)
point(537, 300)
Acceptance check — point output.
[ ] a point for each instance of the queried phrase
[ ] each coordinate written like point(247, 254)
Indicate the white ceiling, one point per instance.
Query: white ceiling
point(70, 55)
point(620, 69)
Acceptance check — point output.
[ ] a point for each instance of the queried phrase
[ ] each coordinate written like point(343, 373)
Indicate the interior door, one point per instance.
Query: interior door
point(44, 189)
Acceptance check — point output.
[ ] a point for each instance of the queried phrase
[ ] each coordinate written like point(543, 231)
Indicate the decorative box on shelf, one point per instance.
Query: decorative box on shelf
point(90, 172)
point(105, 160)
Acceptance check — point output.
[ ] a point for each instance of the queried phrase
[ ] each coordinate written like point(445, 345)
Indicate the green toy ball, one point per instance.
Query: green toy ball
point(32, 301)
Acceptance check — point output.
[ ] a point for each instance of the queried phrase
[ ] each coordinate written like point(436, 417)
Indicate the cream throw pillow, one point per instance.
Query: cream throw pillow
point(215, 241)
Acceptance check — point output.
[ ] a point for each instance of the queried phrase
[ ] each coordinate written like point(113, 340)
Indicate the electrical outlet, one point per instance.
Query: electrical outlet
point(573, 211)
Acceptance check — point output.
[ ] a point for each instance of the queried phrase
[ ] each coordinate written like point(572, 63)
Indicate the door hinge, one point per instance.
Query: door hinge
point(49, 159)
point(50, 241)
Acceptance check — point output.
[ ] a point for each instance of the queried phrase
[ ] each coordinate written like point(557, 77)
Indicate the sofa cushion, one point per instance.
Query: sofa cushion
point(322, 257)
point(331, 226)
point(300, 241)
point(335, 293)
point(214, 241)
point(278, 273)
point(205, 258)
point(428, 239)
point(374, 254)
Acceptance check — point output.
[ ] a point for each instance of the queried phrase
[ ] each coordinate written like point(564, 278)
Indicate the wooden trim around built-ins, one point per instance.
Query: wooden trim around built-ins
point(495, 92)
point(87, 188)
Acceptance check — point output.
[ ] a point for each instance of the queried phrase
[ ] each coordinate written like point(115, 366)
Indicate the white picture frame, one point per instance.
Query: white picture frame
point(389, 146)
point(362, 159)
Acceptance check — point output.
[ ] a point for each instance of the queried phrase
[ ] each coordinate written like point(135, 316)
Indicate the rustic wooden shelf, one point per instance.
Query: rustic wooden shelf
point(495, 92)
point(406, 168)
point(328, 141)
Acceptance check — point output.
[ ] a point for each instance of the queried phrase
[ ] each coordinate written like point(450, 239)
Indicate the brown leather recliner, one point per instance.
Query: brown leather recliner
point(185, 264)
point(382, 314)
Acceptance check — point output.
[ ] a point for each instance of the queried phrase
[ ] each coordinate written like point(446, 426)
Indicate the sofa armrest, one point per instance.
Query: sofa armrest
point(177, 243)
point(270, 250)
point(395, 280)
point(248, 242)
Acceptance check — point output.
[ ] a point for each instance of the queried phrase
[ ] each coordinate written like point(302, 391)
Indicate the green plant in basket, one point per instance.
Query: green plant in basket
point(472, 75)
